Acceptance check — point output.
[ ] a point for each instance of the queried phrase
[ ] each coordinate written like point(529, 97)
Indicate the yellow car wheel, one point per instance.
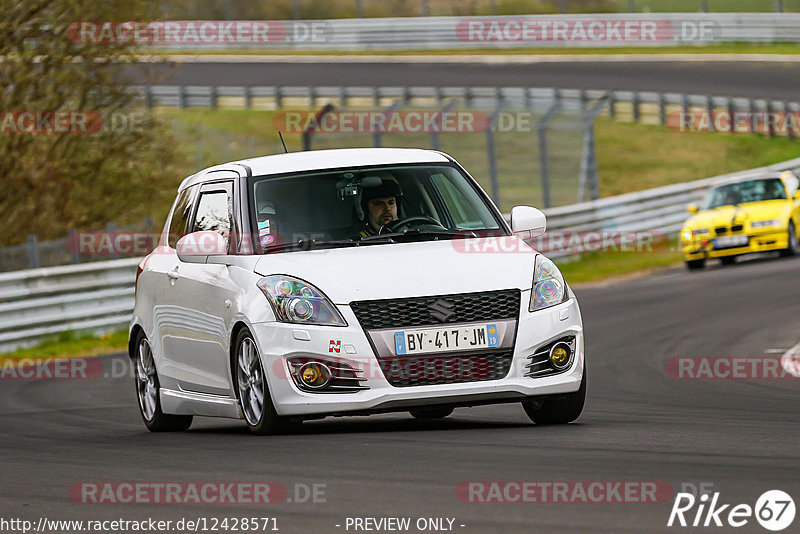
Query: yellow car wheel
point(794, 247)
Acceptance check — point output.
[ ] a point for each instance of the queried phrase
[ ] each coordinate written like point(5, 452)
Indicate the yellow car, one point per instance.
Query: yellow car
point(754, 214)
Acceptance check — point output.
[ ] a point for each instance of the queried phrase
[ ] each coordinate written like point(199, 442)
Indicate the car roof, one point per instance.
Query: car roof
point(320, 160)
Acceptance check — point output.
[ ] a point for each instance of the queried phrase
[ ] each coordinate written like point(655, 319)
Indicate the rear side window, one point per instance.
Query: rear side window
point(178, 225)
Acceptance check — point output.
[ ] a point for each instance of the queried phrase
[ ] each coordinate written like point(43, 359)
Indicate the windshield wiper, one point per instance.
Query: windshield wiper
point(417, 232)
point(310, 244)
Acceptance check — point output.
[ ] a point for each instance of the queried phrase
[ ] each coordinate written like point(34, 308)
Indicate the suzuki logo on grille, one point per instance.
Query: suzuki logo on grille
point(442, 310)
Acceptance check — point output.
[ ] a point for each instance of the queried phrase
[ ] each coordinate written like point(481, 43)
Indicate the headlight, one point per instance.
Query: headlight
point(770, 222)
point(549, 288)
point(686, 234)
point(295, 301)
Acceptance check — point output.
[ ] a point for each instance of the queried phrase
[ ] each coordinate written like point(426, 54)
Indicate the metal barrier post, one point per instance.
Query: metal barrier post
point(541, 130)
point(33, 252)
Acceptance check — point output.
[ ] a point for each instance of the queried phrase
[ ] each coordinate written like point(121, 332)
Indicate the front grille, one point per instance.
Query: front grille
point(416, 311)
point(425, 370)
point(724, 229)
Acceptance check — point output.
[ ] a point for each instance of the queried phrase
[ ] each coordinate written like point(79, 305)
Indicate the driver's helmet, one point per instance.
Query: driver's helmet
point(388, 188)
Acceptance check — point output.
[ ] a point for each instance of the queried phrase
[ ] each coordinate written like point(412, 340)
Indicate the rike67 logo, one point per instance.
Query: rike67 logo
point(774, 510)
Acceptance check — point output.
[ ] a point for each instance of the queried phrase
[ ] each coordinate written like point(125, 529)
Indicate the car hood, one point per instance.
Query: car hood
point(395, 270)
point(751, 211)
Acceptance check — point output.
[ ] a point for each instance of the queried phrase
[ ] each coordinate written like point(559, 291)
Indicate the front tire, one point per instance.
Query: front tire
point(251, 384)
point(728, 260)
point(148, 392)
point(695, 265)
point(558, 411)
point(794, 246)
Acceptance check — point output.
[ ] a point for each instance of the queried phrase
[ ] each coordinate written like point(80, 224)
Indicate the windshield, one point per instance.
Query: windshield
point(749, 191)
point(347, 207)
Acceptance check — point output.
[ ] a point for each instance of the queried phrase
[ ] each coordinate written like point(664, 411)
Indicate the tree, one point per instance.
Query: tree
point(94, 153)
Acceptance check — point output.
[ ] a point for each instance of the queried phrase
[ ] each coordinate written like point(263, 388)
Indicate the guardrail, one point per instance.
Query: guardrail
point(648, 106)
point(99, 296)
point(490, 32)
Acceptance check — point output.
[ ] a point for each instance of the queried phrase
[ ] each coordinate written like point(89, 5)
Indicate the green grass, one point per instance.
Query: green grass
point(631, 157)
point(73, 344)
point(599, 266)
point(723, 48)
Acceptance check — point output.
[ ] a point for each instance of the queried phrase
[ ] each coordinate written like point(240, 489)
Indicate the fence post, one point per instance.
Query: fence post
point(662, 110)
point(731, 115)
point(33, 252)
point(110, 229)
point(778, 6)
point(434, 134)
point(541, 130)
point(769, 118)
point(612, 104)
point(635, 101)
point(181, 96)
point(787, 113)
point(710, 111)
point(685, 103)
point(74, 243)
point(248, 97)
point(490, 153)
point(148, 97)
point(213, 97)
point(278, 97)
point(704, 6)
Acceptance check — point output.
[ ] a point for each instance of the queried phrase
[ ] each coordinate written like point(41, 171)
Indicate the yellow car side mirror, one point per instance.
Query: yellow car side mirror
point(692, 208)
point(797, 195)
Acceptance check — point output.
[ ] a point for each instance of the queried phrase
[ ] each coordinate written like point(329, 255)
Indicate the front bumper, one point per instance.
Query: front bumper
point(279, 341)
point(703, 248)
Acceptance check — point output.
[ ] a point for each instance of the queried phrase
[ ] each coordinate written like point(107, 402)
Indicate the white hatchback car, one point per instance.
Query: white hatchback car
point(349, 282)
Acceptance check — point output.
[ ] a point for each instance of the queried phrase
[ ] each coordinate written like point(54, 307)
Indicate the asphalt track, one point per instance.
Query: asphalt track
point(639, 425)
point(753, 79)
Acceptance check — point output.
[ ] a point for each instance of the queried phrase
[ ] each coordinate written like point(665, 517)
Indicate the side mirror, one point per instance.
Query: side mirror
point(198, 246)
point(528, 219)
point(797, 195)
point(692, 208)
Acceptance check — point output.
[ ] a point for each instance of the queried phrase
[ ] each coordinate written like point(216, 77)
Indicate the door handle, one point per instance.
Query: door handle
point(173, 274)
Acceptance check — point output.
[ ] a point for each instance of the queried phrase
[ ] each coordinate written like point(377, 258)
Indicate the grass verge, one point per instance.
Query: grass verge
point(73, 344)
point(608, 266)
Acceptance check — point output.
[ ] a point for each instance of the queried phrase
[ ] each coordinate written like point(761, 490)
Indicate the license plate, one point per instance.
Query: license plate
point(730, 241)
point(445, 339)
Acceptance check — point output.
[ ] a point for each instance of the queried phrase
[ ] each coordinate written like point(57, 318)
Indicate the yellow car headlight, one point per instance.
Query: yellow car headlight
point(686, 234)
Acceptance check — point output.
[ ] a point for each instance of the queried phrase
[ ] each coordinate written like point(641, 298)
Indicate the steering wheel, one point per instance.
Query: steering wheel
point(395, 225)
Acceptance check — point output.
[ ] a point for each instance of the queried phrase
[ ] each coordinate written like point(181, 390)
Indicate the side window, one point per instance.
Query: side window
point(214, 213)
point(178, 225)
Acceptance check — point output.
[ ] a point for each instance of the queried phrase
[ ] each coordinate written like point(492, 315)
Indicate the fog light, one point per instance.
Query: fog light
point(315, 375)
point(559, 355)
